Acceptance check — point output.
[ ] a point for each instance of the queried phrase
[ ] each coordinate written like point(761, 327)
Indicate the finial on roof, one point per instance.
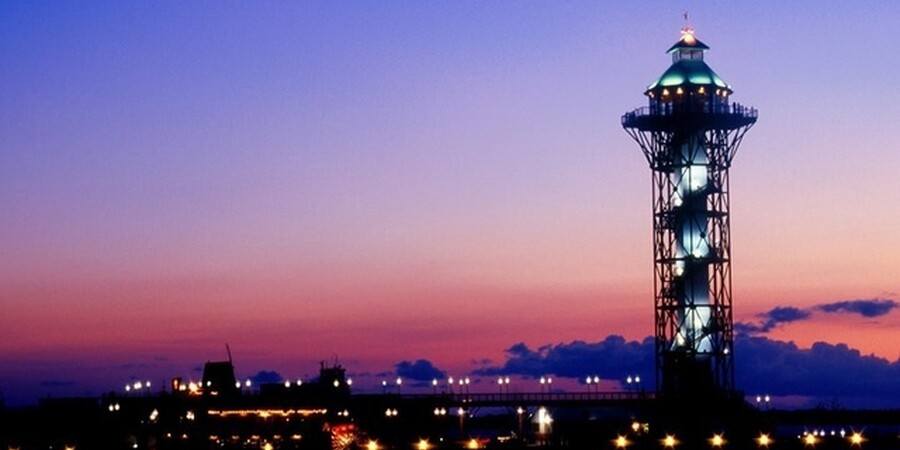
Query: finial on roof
point(687, 31)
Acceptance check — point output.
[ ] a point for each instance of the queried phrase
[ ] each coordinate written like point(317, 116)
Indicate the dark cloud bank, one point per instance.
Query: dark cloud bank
point(825, 373)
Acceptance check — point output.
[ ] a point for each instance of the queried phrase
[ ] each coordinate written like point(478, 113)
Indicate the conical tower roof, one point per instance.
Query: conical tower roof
point(688, 69)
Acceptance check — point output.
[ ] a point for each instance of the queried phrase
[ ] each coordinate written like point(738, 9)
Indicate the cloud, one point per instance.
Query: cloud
point(865, 308)
point(420, 370)
point(773, 318)
point(786, 314)
point(266, 377)
point(612, 358)
point(824, 371)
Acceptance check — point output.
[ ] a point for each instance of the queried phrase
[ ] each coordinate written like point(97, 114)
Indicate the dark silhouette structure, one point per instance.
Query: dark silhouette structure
point(689, 133)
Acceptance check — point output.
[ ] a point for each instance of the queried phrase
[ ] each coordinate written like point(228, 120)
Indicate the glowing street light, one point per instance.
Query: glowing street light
point(621, 441)
point(592, 380)
point(810, 440)
point(717, 441)
point(669, 441)
point(763, 400)
point(856, 439)
point(632, 380)
point(501, 382)
point(763, 440)
point(423, 444)
point(546, 381)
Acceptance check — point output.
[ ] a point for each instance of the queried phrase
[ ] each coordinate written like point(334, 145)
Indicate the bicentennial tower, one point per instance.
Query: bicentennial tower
point(689, 133)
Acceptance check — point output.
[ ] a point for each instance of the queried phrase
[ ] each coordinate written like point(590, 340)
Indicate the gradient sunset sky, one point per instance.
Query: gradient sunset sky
point(388, 181)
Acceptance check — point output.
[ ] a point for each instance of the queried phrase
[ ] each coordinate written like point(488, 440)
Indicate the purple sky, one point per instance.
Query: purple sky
point(390, 181)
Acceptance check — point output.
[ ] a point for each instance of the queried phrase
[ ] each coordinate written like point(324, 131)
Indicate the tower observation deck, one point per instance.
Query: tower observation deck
point(689, 133)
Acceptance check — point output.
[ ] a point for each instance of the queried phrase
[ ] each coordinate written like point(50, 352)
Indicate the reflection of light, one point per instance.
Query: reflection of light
point(764, 440)
point(621, 442)
point(544, 417)
point(267, 446)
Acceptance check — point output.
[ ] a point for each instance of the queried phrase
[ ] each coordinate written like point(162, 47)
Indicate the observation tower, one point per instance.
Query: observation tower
point(689, 133)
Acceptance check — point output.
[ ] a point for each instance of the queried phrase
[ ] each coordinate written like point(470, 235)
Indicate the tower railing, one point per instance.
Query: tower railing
point(674, 109)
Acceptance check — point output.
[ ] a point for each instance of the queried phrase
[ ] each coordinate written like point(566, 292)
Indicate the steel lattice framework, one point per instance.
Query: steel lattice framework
point(690, 135)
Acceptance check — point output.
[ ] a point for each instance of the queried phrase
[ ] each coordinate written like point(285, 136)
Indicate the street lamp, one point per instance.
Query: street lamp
point(669, 441)
point(434, 384)
point(503, 381)
point(763, 400)
point(595, 381)
point(632, 382)
point(546, 381)
point(399, 384)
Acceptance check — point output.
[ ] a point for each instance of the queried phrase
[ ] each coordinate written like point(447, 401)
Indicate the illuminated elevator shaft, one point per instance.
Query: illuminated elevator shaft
point(692, 250)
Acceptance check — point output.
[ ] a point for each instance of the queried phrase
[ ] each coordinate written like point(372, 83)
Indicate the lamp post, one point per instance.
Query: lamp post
point(595, 381)
point(399, 384)
point(501, 382)
point(546, 381)
point(633, 382)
